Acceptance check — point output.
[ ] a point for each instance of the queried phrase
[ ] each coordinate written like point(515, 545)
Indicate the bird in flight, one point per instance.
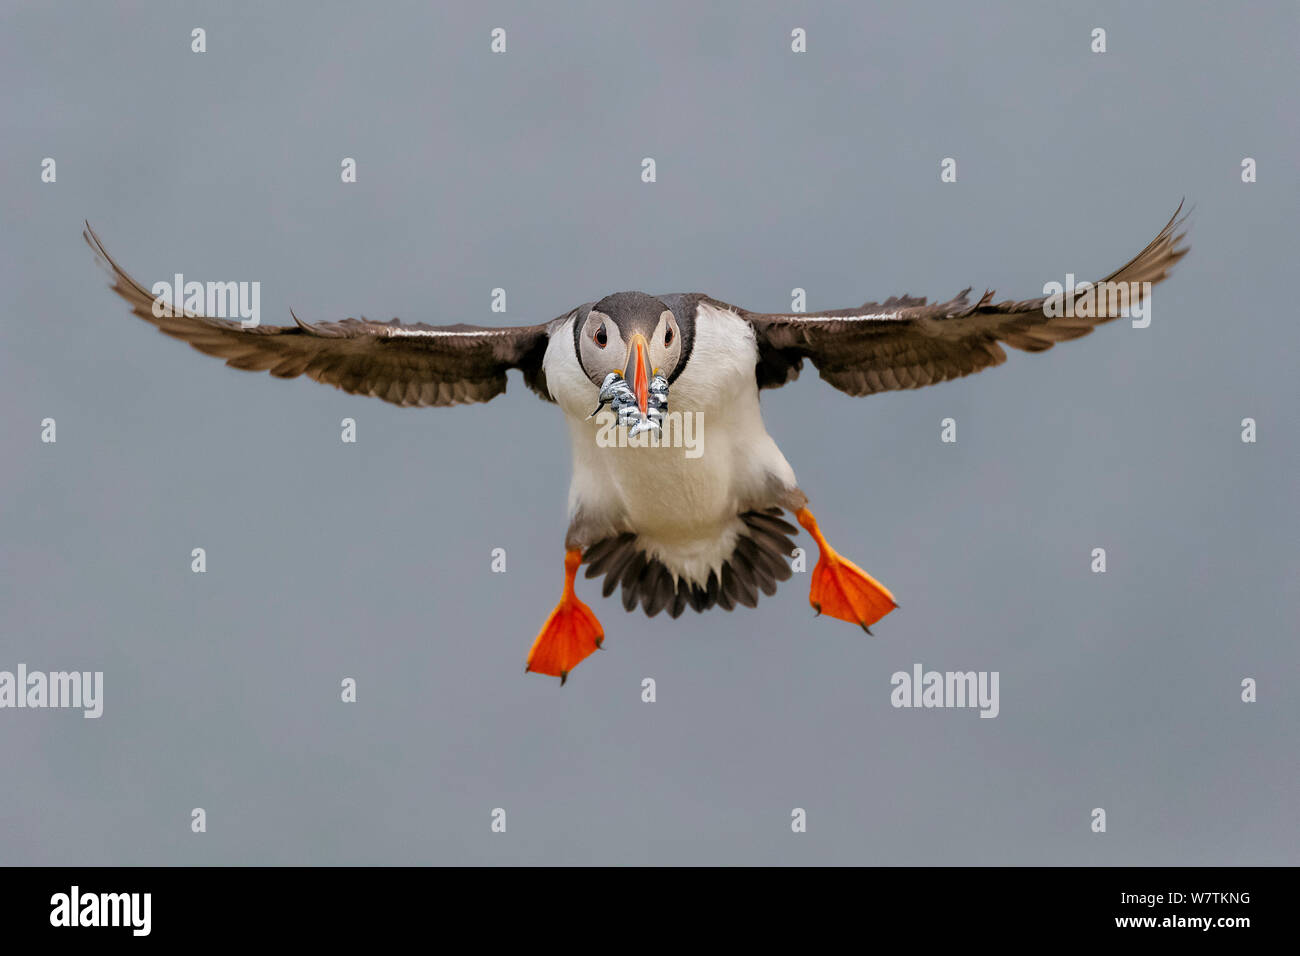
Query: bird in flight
point(672, 529)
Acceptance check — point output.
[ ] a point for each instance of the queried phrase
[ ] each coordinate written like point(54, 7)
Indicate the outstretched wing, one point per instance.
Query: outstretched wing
point(905, 343)
point(409, 365)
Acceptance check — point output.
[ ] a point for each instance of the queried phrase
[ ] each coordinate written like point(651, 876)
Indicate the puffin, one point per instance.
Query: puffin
point(632, 374)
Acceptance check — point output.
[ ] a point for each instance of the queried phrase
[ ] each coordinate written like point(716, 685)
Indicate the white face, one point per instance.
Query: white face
point(604, 350)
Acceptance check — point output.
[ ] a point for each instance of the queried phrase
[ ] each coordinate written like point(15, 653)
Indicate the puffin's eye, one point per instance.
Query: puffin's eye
point(668, 337)
point(601, 338)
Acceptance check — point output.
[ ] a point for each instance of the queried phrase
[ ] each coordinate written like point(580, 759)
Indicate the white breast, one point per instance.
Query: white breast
point(683, 508)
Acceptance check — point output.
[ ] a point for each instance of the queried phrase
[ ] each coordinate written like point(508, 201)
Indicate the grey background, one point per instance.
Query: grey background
point(522, 171)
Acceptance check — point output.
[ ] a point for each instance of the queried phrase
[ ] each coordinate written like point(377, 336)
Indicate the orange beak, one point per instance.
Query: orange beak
point(638, 364)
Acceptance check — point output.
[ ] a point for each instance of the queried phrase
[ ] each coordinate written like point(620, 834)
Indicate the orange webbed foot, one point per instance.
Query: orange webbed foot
point(570, 634)
point(841, 589)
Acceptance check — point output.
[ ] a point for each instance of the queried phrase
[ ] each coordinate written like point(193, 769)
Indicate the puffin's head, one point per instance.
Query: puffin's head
point(633, 334)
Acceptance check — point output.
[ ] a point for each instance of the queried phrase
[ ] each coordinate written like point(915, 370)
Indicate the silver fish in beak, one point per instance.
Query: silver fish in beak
point(639, 413)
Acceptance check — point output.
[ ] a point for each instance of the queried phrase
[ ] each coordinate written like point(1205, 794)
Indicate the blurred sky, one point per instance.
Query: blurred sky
point(522, 171)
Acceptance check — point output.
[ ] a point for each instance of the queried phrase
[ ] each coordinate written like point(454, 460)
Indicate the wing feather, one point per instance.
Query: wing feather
point(904, 342)
point(408, 365)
